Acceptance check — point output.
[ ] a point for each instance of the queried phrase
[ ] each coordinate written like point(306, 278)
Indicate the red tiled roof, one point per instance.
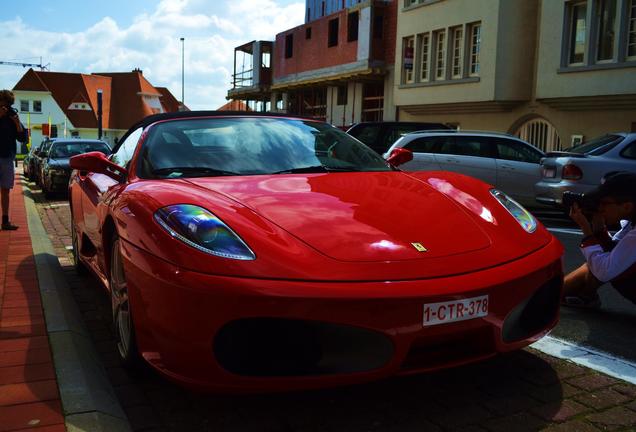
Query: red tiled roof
point(234, 105)
point(169, 102)
point(122, 96)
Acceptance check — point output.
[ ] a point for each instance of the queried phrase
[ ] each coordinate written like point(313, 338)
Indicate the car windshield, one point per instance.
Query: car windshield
point(67, 149)
point(596, 146)
point(250, 146)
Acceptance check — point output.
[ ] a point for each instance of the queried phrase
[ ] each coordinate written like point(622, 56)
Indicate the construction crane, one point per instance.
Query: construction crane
point(23, 64)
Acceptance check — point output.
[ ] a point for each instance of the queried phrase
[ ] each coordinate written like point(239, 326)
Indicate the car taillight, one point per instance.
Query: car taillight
point(571, 172)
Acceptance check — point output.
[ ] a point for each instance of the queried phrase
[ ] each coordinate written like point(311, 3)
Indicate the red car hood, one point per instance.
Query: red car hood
point(359, 216)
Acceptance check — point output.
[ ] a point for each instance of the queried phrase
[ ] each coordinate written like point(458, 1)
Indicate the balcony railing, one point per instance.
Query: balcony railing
point(243, 79)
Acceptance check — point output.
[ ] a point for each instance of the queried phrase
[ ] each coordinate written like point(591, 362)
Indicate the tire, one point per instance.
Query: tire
point(47, 193)
point(79, 267)
point(122, 311)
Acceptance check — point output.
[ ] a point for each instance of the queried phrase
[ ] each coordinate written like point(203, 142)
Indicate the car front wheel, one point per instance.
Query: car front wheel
point(122, 313)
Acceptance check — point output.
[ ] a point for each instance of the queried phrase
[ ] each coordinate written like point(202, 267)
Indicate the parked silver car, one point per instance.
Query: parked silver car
point(580, 168)
point(504, 161)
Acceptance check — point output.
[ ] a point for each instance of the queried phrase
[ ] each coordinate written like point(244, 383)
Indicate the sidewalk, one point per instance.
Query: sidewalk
point(29, 396)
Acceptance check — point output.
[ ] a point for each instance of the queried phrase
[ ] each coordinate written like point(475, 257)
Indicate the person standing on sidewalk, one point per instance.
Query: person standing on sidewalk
point(10, 130)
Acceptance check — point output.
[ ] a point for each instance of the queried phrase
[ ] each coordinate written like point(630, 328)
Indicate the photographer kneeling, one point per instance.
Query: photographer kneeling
point(608, 259)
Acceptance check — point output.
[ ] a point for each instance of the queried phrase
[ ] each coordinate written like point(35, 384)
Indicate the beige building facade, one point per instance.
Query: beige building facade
point(551, 71)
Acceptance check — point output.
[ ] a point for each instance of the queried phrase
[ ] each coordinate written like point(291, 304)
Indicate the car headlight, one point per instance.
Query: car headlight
point(523, 216)
point(199, 228)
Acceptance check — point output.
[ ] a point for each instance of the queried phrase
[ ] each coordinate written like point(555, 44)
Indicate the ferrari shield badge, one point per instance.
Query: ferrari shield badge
point(419, 247)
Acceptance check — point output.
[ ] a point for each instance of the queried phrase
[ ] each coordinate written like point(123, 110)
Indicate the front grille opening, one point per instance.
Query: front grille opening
point(269, 347)
point(428, 352)
point(535, 314)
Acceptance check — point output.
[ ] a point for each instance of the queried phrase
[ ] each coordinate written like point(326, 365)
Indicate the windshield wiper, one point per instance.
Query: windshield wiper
point(317, 169)
point(307, 169)
point(194, 171)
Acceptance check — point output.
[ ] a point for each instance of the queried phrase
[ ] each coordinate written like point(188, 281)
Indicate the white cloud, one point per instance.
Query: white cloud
point(152, 44)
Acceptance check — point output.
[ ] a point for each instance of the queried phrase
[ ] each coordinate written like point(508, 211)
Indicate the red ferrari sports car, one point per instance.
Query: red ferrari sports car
point(248, 252)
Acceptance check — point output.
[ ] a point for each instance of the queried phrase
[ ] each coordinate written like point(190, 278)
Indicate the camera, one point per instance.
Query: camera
point(12, 112)
point(588, 204)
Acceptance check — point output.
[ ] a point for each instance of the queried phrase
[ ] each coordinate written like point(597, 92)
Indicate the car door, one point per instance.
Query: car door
point(424, 150)
point(469, 155)
point(518, 169)
point(96, 190)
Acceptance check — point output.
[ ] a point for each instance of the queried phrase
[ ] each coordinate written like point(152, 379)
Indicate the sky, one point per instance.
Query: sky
point(83, 36)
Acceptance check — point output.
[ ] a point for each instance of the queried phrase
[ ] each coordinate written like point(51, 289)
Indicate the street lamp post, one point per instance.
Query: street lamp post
point(99, 113)
point(182, 73)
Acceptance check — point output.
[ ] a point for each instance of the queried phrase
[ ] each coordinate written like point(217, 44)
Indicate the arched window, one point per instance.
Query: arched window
point(540, 133)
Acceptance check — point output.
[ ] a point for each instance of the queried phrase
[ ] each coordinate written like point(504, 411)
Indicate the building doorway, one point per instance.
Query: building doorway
point(540, 133)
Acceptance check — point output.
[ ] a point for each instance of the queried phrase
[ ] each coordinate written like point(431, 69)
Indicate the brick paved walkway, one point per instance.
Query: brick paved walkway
point(29, 398)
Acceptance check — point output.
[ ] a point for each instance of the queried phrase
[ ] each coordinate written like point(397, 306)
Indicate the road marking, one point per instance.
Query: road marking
point(597, 360)
point(573, 231)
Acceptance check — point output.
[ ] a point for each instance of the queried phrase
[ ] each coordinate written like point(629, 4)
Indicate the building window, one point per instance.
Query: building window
point(606, 18)
point(425, 42)
point(631, 34)
point(578, 31)
point(289, 45)
point(37, 106)
point(378, 26)
point(308, 33)
point(475, 48)
point(599, 32)
point(333, 32)
point(408, 51)
point(352, 26)
point(458, 43)
point(408, 3)
point(24, 106)
point(342, 95)
point(440, 54)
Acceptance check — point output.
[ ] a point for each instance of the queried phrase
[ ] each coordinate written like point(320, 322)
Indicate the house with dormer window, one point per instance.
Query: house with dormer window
point(59, 104)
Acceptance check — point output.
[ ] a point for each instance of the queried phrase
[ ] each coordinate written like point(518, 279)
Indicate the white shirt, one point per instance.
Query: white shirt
point(606, 266)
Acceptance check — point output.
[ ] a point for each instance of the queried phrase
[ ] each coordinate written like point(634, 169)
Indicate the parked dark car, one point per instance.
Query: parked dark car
point(381, 135)
point(28, 164)
point(39, 156)
point(56, 170)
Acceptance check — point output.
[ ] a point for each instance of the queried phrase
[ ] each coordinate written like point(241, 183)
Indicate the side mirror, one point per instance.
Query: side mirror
point(97, 162)
point(400, 156)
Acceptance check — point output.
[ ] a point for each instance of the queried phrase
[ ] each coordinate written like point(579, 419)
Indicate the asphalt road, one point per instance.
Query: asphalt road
point(612, 328)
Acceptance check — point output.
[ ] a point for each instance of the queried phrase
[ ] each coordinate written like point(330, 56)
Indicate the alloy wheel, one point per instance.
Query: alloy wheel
point(122, 318)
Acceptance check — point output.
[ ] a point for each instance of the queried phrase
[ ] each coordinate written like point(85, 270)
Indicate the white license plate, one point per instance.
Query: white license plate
point(457, 310)
point(549, 172)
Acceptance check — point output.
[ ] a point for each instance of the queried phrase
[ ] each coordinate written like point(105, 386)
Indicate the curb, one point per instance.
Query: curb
point(88, 399)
